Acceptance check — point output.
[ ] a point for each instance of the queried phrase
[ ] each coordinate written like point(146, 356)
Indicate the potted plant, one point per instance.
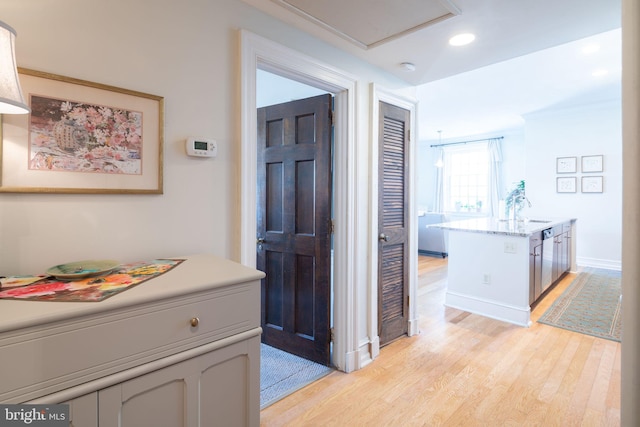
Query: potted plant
point(514, 202)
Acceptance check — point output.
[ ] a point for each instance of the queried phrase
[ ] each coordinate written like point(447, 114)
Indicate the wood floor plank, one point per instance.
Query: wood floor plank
point(467, 370)
point(615, 386)
point(563, 400)
point(601, 384)
point(553, 382)
point(585, 383)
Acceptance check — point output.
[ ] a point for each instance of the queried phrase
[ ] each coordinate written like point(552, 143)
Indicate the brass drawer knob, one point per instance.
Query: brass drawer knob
point(194, 321)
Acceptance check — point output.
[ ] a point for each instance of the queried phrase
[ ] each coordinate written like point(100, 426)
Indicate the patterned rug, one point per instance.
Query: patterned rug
point(590, 305)
point(283, 373)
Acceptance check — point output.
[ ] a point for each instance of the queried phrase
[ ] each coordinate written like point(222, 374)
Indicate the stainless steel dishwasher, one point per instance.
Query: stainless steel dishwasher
point(547, 258)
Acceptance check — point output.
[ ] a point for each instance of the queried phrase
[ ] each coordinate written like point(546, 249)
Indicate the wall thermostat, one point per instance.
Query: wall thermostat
point(201, 147)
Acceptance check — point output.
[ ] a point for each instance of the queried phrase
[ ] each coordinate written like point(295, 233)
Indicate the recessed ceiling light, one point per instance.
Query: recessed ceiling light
point(462, 39)
point(600, 72)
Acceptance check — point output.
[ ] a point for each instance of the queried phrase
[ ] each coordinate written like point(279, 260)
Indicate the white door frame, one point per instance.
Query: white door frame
point(258, 52)
point(378, 94)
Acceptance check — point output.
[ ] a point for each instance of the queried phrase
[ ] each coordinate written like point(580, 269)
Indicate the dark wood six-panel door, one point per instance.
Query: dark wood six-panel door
point(294, 225)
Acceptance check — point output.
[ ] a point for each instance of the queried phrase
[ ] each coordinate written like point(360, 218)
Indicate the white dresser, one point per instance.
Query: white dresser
point(182, 349)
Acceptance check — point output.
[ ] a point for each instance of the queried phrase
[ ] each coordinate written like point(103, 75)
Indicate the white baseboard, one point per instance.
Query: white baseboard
point(495, 310)
point(351, 361)
point(607, 264)
point(367, 352)
point(413, 327)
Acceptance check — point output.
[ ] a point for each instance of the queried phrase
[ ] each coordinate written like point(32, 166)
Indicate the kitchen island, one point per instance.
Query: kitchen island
point(499, 269)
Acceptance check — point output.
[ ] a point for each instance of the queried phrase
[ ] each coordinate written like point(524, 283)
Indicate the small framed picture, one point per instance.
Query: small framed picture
point(566, 184)
point(592, 184)
point(592, 164)
point(566, 164)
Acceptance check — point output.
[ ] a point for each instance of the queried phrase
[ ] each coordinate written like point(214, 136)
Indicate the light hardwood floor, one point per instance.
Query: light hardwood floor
point(468, 370)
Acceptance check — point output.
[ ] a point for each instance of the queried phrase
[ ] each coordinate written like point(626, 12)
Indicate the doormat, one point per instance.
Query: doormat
point(591, 305)
point(93, 289)
point(282, 373)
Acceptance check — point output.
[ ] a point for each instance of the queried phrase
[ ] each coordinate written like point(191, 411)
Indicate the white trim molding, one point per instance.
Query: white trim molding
point(260, 53)
point(630, 376)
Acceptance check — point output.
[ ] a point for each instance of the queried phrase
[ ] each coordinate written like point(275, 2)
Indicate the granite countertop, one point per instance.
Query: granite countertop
point(489, 225)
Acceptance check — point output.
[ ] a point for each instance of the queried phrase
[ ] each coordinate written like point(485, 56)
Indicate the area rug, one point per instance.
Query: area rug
point(590, 305)
point(282, 373)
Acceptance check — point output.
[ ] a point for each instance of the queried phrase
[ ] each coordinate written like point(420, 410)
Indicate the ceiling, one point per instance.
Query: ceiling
point(498, 97)
point(526, 55)
point(372, 23)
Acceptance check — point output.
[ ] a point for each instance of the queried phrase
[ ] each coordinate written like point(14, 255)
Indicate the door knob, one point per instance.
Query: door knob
point(260, 240)
point(383, 237)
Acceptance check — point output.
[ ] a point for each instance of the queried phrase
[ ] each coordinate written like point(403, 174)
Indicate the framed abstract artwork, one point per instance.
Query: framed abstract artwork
point(592, 184)
point(566, 184)
point(592, 164)
point(82, 137)
point(566, 164)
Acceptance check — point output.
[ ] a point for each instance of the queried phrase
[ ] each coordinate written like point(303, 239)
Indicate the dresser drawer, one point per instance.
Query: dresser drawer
point(37, 361)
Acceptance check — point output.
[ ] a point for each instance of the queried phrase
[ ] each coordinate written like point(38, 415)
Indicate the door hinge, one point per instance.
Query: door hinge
point(330, 117)
point(332, 226)
point(332, 336)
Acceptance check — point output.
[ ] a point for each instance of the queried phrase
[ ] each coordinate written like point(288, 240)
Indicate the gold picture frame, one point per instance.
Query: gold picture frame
point(82, 137)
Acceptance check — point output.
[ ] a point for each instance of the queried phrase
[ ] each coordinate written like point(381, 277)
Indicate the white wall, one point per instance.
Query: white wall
point(272, 89)
point(530, 153)
point(574, 132)
point(187, 52)
point(513, 158)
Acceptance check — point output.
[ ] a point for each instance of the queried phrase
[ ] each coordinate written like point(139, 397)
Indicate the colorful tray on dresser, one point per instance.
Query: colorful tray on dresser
point(90, 288)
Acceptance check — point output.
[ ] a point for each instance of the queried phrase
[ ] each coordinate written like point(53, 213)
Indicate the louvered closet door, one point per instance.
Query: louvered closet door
point(393, 277)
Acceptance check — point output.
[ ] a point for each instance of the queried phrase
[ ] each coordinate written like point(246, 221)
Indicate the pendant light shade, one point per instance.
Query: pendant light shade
point(11, 100)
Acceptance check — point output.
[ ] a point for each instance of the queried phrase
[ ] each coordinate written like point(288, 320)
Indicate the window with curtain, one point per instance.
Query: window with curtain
point(466, 176)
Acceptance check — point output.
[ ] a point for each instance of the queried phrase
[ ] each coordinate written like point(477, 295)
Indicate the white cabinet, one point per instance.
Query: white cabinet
point(182, 349)
point(83, 410)
point(207, 390)
point(216, 388)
